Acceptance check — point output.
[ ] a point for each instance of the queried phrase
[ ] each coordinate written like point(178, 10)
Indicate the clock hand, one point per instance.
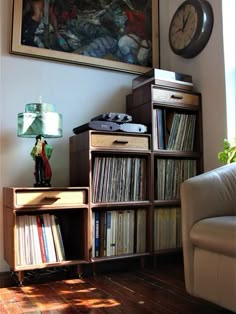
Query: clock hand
point(179, 30)
point(185, 21)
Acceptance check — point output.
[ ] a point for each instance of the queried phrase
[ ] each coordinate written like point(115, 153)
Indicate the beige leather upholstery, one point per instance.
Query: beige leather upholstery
point(208, 204)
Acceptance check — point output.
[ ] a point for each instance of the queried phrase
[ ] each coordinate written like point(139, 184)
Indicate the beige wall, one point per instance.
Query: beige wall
point(207, 70)
point(80, 93)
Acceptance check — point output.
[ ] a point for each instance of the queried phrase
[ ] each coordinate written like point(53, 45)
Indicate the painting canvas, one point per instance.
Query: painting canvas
point(115, 34)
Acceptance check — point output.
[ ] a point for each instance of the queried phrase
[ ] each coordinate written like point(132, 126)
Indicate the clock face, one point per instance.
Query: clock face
point(191, 27)
point(183, 27)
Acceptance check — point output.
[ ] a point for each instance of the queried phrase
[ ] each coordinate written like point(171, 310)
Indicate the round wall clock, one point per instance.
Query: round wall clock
point(191, 27)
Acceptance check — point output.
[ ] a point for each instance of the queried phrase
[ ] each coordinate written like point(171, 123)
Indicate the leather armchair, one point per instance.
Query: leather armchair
point(208, 205)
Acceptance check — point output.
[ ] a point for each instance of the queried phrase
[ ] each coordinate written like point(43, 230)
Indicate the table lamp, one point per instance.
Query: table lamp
point(40, 121)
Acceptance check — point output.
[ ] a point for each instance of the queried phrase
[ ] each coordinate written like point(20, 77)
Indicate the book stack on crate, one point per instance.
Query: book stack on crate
point(167, 228)
point(40, 239)
point(170, 174)
point(173, 130)
point(118, 232)
point(117, 179)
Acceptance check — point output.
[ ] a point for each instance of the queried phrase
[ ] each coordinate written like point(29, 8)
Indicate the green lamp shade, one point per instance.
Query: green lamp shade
point(39, 118)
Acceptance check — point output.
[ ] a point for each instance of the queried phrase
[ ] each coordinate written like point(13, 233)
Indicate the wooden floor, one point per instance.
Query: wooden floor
point(133, 290)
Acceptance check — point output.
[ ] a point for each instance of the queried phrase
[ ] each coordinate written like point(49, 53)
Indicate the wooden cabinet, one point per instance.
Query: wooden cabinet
point(45, 227)
point(174, 120)
point(131, 204)
point(134, 179)
point(116, 168)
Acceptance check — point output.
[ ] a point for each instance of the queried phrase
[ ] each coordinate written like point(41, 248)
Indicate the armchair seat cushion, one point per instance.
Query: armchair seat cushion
point(216, 234)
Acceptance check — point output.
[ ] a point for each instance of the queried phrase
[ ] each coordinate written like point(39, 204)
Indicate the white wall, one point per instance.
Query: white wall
point(80, 93)
point(229, 34)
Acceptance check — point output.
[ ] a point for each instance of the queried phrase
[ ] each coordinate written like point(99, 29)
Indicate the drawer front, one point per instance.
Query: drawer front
point(174, 97)
point(55, 197)
point(120, 141)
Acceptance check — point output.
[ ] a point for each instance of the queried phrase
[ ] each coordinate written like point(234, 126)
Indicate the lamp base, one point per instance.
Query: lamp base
point(41, 152)
point(42, 185)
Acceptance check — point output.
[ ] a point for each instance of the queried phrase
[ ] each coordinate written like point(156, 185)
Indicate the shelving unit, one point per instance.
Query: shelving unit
point(124, 199)
point(173, 117)
point(116, 168)
point(24, 248)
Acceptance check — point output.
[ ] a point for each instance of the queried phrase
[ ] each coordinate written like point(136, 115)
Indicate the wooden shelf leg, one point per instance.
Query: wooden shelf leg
point(80, 270)
point(142, 262)
point(20, 278)
point(94, 269)
point(154, 261)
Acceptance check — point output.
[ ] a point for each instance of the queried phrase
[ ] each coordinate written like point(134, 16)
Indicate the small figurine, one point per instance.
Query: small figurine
point(41, 153)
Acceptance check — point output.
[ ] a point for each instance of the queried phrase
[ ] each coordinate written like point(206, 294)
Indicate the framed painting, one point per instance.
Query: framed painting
point(119, 35)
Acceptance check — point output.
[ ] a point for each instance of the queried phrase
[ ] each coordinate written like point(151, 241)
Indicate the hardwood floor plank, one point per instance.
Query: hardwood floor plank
point(130, 301)
point(82, 294)
point(158, 290)
point(167, 297)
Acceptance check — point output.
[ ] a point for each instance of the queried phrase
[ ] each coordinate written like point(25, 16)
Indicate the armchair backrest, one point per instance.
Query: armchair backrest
point(210, 194)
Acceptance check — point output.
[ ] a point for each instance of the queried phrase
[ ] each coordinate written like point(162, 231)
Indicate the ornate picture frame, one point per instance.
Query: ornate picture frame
point(119, 35)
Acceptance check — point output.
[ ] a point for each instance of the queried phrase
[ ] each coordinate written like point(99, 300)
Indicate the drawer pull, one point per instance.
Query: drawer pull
point(120, 142)
point(51, 198)
point(176, 97)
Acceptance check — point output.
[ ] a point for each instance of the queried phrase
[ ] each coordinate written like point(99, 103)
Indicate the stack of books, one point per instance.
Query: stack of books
point(39, 239)
point(117, 232)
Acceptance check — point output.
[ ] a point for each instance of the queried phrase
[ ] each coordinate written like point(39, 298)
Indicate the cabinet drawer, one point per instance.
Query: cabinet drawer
point(55, 197)
point(115, 141)
point(174, 97)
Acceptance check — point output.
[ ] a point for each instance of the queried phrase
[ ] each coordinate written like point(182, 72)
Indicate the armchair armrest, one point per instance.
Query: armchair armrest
point(210, 194)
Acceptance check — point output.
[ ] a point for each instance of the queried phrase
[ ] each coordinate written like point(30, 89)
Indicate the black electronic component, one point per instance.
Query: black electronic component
point(117, 117)
point(111, 127)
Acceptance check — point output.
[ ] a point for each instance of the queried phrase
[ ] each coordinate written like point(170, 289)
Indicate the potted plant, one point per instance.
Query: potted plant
point(228, 155)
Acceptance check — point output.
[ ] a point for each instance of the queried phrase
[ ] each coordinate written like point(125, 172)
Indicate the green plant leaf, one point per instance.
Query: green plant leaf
point(228, 155)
